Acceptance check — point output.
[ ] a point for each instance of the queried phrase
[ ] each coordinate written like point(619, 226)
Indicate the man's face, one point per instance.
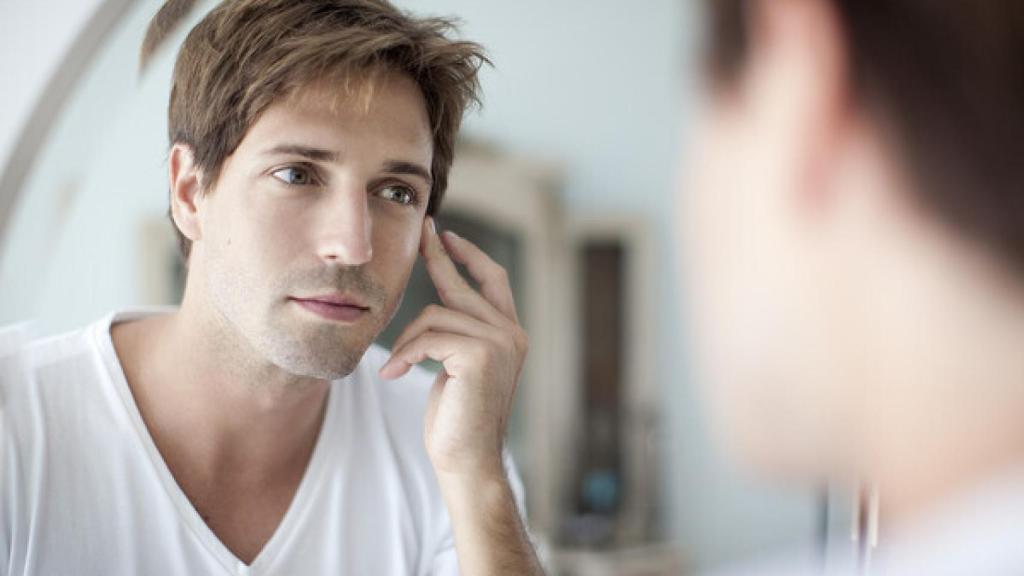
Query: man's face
point(324, 198)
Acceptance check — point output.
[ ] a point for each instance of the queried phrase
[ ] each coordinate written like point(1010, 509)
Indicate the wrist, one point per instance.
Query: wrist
point(477, 497)
point(482, 476)
point(462, 465)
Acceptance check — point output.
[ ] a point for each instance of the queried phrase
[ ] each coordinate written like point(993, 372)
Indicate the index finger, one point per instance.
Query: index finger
point(454, 291)
point(492, 277)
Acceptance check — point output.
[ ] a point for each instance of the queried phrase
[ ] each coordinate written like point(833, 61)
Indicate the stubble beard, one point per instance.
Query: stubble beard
point(300, 345)
point(326, 351)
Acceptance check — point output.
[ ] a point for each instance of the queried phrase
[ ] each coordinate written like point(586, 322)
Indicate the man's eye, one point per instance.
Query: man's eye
point(399, 194)
point(293, 175)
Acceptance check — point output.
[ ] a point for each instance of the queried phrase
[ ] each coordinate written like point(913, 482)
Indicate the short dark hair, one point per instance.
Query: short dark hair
point(946, 79)
point(248, 54)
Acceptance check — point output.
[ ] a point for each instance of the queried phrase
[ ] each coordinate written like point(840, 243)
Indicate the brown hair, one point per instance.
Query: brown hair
point(946, 78)
point(247, 54)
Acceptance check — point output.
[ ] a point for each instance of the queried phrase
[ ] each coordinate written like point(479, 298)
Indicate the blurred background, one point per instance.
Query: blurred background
point(567, 176)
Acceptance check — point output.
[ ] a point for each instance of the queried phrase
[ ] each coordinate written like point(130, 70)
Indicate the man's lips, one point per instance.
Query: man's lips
point(337, 307)
point(335, 299)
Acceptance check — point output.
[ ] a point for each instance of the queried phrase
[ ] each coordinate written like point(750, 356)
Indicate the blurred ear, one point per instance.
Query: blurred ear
point(186, 191)
point(799, 74)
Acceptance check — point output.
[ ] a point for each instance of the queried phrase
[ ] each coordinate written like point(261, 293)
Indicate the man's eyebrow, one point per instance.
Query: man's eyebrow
point(317, 154)
point(409, 168)
point(324, 155)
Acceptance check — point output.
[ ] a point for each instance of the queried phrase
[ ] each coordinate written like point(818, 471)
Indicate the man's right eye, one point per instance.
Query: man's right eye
point(294, 175)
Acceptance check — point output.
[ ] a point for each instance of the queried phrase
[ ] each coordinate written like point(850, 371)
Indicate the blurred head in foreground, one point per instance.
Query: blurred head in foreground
point(855, 239)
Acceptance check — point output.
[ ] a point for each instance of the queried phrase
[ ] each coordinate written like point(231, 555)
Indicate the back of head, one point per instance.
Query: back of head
point(945, 79)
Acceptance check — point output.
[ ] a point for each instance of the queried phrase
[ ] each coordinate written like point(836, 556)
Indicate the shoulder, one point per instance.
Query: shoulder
point(51, 388)
point(43, 399)
point(32, 367)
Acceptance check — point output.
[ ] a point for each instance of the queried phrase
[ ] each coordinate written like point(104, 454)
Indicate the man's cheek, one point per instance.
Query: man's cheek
point(410, 236)
point(281, 242)
point(396, 247)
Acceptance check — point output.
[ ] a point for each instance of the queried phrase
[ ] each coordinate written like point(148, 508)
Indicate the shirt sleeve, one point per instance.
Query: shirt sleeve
point(13, 340)
point(446, 561)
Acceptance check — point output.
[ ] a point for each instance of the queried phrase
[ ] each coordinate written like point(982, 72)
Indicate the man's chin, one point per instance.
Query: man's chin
point(326, 374)
point(324, 361)
point(311, 348)
point(316, 368)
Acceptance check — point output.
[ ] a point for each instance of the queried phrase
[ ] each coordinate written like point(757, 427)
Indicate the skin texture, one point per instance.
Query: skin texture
point(844, 331)
point(321, 196)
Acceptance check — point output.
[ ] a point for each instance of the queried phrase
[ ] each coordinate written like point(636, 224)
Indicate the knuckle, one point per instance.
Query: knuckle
point(512, 342)
point(522, 340)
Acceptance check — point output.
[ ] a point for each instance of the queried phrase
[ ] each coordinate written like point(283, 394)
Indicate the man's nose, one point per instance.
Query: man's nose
point(347, 229)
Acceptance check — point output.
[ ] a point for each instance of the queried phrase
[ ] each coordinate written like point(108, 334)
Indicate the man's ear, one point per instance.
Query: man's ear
point(186, 191)
point(800, 61)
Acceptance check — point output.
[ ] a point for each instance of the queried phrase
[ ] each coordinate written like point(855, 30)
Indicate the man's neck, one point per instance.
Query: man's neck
point(946, 408)
point(237, 434)
point(208, 402)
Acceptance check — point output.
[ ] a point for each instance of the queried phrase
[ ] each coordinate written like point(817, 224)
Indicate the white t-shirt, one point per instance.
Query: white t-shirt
point(83, 489)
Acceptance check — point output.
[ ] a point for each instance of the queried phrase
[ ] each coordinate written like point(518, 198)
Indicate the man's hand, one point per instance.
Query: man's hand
point(477, 339)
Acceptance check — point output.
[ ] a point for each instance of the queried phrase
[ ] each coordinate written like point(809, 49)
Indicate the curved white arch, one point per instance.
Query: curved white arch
point(82, 26)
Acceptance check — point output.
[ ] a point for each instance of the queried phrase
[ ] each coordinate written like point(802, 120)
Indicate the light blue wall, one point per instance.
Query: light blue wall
point(606, 87)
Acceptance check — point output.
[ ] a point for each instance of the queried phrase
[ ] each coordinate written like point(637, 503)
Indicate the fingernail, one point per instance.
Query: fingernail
point(433, 226)
point(452, 234)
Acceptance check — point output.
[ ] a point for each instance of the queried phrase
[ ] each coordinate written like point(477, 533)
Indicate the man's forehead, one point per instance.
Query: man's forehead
point(385, 109)
point(354, 91)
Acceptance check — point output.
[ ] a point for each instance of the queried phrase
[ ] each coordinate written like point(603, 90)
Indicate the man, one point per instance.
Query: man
point(856, 239)
point(255, 429)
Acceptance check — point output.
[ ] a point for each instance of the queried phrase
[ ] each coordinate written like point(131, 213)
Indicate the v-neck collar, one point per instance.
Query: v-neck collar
point(301, 501)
